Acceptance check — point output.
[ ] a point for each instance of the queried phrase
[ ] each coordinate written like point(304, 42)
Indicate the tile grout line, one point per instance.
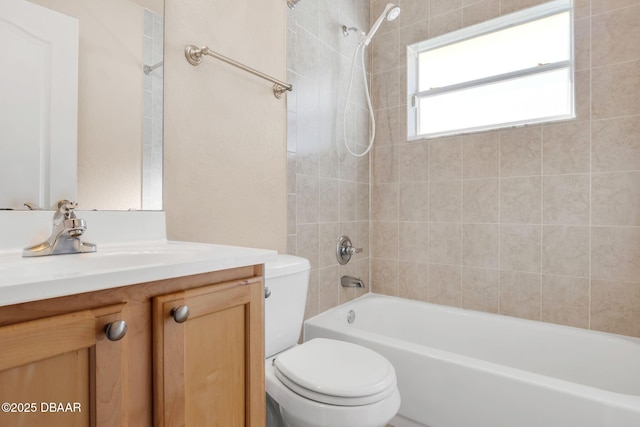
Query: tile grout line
point(541, 219)
point(590, 289)
point(499, 219)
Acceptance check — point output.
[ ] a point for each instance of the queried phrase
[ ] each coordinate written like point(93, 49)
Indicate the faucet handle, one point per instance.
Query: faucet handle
point(65, 211)
point(66, 208)
point(66, 205)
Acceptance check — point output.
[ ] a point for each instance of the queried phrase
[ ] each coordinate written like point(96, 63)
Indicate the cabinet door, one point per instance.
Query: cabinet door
point(209, 370)
point(62, 371)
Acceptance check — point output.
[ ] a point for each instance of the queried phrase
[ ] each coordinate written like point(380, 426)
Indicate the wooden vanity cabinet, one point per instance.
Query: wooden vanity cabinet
point(205, 371)
point(63, 371)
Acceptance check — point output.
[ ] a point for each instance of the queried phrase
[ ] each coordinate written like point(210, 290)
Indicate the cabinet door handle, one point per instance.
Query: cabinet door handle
point(115, 331)
point(180, 314)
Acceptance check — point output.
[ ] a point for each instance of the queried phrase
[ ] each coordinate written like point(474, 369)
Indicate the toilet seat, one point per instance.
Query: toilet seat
point(336, 373)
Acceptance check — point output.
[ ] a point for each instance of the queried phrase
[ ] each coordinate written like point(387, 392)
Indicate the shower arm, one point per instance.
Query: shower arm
point(194, 57)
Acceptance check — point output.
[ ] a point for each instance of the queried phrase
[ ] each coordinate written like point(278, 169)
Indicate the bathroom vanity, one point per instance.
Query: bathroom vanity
point(192, 351)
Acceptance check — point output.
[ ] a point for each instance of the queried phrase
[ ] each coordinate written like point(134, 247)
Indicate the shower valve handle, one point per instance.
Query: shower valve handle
point(345, 250)
point(351, 250)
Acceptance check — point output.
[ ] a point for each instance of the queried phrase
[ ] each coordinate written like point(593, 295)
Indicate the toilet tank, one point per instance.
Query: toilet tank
point(287, 280)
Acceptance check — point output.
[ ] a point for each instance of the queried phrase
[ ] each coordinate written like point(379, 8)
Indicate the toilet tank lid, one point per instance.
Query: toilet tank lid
point(285, 265)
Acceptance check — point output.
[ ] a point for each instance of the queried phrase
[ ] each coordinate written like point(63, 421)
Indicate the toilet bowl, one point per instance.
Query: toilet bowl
point(322, 382)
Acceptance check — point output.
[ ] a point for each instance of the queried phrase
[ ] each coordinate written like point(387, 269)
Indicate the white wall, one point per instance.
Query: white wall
point(225, 132)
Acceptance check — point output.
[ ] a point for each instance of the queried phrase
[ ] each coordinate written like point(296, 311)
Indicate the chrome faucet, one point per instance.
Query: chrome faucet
point(351, 282)
point(65, 238)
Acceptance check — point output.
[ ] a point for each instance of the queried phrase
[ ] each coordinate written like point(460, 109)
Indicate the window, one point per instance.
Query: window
point(510, 71)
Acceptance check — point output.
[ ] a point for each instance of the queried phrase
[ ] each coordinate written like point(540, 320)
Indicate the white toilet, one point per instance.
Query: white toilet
point(322, 382)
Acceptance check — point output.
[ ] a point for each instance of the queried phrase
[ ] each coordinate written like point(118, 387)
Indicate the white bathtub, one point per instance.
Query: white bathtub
point(462, 368)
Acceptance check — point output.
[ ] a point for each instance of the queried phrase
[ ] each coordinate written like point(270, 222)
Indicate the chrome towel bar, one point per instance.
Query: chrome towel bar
point(194, 56)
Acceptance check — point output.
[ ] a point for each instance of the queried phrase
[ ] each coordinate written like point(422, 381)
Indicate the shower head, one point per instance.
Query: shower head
point(390, 12)
point(292, 3)
point(393, 13)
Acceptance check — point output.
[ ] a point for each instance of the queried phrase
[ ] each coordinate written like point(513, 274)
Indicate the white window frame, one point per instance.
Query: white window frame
point(513, 19)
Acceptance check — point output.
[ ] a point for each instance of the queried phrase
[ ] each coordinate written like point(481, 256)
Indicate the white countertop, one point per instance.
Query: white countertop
point(116, 263)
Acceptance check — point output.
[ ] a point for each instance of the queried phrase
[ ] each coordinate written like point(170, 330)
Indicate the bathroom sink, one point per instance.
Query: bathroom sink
point(26, 279)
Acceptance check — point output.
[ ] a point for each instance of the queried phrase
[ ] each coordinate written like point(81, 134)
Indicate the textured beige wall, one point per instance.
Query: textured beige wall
point(225, 132)
point(156, 6)
point(540, 222)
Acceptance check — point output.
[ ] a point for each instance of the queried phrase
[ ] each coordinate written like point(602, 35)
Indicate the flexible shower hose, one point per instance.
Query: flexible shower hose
point(372, 127)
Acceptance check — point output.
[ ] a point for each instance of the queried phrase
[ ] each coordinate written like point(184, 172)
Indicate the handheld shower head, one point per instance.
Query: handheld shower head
point(393, 12)
point(390, 12)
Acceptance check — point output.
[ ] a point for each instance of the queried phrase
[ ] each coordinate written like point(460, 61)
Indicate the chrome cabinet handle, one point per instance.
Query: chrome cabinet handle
point(115, 331)
point(180, 314)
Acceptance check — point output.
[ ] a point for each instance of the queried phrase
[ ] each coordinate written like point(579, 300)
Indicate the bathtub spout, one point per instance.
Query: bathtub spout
point(351, 282)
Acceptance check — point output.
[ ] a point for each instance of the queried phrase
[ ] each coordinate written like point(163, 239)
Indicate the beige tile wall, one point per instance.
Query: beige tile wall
point(328, 190)
point(540, 222)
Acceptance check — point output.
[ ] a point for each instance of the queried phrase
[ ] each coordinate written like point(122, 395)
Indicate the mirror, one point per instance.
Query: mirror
point(119, 109)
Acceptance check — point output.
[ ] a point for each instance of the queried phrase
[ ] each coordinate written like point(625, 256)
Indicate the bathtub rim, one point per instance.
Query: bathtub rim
point(611, 398)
